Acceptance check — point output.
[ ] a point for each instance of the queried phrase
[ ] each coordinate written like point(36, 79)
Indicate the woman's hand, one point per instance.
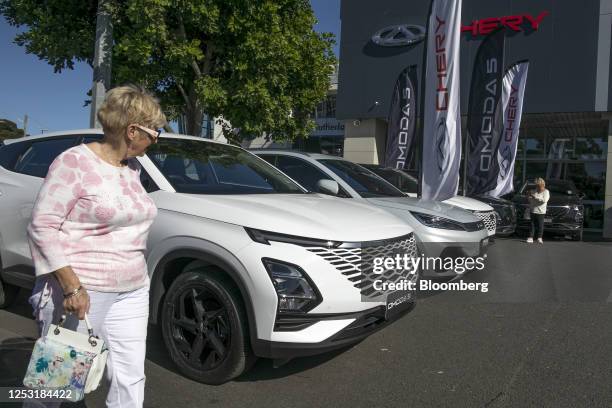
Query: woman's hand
point(79, 303)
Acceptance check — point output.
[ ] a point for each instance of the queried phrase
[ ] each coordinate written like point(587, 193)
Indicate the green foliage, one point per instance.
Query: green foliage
point(256, 63)
point(8, 130)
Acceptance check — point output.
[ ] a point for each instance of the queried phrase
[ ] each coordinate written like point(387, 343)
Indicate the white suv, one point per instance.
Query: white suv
point(243, 261)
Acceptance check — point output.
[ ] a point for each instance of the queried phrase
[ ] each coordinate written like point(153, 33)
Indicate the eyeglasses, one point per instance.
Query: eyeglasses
point(153, 134)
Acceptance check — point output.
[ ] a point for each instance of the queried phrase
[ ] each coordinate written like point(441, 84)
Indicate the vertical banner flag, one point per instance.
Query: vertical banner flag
point(513, 94)
point(484, 123)
point(402, 121)
point(442, 121)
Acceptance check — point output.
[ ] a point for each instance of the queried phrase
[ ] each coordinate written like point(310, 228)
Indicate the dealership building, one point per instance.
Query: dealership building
point(567, 120)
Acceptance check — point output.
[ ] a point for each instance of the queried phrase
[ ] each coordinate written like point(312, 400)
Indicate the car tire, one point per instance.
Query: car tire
point(205, 329)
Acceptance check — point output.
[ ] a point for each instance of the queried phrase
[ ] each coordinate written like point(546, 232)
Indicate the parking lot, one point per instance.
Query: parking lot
point(539, 337)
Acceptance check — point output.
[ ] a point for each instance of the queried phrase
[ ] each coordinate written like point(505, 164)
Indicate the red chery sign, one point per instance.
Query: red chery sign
point(514, 23)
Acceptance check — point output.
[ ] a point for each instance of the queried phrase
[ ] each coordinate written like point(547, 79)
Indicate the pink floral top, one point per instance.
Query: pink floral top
point(94, 217)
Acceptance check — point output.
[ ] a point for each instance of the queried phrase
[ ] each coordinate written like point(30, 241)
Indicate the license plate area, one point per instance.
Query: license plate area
point(397, 302)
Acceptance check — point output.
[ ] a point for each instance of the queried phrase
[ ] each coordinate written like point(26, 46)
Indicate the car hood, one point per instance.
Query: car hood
point(493, 200)
point(468, 203)
point(430, 207)
point(306, 215)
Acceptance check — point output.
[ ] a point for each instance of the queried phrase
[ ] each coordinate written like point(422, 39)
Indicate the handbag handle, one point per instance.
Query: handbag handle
point(92, 337)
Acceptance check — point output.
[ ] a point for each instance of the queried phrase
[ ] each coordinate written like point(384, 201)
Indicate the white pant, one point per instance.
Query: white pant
point(120, 319)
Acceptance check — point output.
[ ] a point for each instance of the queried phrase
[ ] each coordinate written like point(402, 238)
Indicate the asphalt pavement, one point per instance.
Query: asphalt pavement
point(541, 336)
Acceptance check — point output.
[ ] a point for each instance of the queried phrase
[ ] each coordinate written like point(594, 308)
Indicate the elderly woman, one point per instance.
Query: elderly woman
point(88, 236)
point(537, 207)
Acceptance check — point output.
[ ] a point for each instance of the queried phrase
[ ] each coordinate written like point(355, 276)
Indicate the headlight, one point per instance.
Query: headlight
point(434, 221)
point(295, 291)
point(264, 237)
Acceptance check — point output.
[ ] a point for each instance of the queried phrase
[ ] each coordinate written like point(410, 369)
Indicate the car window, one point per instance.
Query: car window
point(362, 180)
point(147, 182)
point(91, 138)
point(35, 161)
point(200, 167)
point(301, 171)
point(10, 153)
point(270, 158)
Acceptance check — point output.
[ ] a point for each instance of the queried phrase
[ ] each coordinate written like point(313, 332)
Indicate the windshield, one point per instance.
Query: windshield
point(403, 181)
point(362, 180)
point(199, 167)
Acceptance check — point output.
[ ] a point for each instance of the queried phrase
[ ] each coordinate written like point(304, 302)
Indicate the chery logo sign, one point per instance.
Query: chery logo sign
point(514, 23)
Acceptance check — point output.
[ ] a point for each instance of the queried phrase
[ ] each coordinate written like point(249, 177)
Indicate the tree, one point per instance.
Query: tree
point(257, 63)
point(9, 130)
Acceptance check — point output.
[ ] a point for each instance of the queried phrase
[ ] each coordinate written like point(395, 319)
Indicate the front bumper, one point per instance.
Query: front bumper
point(504, 230)
point(364, 323)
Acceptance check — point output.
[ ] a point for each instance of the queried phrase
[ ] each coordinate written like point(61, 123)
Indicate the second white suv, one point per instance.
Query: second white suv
point(243, 261)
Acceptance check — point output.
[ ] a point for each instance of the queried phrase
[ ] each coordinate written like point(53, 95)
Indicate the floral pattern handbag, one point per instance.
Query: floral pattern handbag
point(67, 360)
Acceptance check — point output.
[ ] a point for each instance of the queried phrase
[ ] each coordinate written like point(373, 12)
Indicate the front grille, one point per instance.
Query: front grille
point(356, 262)
point(488, 217)
point(557, 212)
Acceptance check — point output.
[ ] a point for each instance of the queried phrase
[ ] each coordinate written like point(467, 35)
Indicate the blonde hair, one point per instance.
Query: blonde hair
point(540, 181)
point(126, 105)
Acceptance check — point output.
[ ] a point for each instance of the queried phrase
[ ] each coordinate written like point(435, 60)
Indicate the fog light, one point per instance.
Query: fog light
point(295, 291)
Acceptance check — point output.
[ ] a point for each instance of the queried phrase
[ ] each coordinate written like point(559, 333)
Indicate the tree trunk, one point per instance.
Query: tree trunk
point(194, 114)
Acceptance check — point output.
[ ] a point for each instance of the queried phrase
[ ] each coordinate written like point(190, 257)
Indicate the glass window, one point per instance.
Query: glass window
point(320, 110)
point(301, 171)
point(591, 147)
point(10, 153)
point(589, 177)
point(535, 146)
point(91, 138)
point(147, 182)
point(270, 158)
point(330, 106)
point(39, 156)
point(200, 167)
point(398, 178)
point(362, 180)
point(332, 145)
point(535, 169)
point(558, 147)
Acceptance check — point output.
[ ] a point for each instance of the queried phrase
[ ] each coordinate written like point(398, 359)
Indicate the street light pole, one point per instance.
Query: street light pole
point(102, 60)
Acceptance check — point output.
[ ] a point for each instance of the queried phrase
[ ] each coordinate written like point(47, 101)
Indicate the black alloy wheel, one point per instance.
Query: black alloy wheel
point(204, 328)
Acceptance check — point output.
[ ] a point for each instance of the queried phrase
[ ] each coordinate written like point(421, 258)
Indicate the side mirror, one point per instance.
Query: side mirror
point(327, 186)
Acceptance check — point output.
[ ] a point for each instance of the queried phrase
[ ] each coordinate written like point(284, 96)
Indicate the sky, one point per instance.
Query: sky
point(55, 101)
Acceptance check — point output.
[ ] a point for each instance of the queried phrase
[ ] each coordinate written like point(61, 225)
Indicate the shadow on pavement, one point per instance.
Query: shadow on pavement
point(264, 369)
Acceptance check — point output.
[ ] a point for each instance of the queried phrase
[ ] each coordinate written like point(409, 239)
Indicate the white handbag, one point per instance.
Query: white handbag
point(68, 360)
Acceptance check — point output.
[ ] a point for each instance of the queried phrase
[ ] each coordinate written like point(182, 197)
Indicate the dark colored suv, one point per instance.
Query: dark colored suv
point(564, 212)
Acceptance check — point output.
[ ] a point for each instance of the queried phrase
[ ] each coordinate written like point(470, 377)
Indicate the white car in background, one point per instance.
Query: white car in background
point(243, 261)
point(443, 229)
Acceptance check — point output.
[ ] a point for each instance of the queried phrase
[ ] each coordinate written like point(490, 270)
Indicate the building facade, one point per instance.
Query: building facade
point(566, 125)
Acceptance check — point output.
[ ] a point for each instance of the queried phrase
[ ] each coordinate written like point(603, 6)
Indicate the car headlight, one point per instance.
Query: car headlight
point(265, 237)
point(434, 221)
point(295, 290)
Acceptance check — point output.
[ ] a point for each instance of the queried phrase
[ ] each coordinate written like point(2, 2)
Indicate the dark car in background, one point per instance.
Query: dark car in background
point(505, 211)
point(564, 212)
